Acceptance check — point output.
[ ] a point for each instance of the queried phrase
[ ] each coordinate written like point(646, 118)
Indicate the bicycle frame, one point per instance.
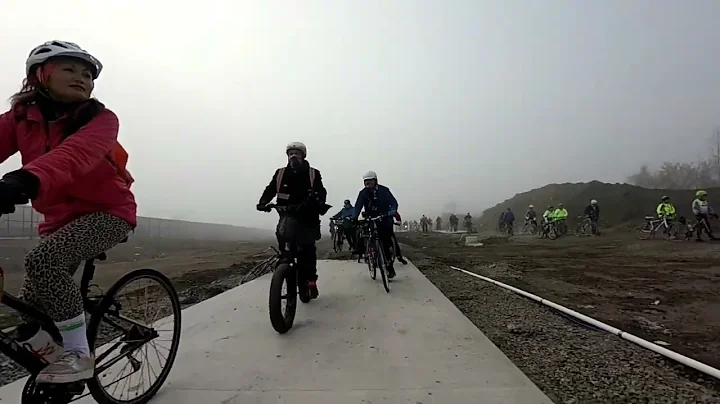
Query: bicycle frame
point(661, 223)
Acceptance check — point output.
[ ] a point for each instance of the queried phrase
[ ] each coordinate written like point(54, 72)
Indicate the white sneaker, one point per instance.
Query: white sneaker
point(73, 366)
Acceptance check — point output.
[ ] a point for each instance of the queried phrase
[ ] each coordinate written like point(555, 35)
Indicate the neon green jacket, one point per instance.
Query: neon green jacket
point(666, 210)
point(560, 214)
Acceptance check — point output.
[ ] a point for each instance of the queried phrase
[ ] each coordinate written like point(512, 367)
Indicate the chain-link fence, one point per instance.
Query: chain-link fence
point(24, 223)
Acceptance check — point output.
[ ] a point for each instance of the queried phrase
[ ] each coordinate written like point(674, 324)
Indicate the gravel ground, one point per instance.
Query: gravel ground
point(569, 362)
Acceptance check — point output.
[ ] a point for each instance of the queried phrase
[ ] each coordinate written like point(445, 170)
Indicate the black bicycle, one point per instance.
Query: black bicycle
point(121, 338)
point(286, 274)
point(338, 235)
point(548, 229)
point(375, 254)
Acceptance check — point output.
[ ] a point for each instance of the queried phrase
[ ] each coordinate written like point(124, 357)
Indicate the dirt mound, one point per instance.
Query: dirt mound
point(620, 204)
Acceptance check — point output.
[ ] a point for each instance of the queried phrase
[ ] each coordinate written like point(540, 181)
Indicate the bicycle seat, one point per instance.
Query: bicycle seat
point(649, 218)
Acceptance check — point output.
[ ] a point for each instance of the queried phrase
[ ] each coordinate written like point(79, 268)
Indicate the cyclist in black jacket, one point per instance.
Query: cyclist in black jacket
point(592, 211)
point(299, 187)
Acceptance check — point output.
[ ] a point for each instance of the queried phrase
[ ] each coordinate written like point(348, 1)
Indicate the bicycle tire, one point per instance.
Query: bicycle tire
point(552, 233)
point(382, 263)
point(96, 389)
point(646, 231)
point(370, 259)
point(284, 274)
point(671, 232)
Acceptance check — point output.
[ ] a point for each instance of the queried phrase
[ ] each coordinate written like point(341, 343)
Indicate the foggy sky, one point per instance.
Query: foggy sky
point(471, 101)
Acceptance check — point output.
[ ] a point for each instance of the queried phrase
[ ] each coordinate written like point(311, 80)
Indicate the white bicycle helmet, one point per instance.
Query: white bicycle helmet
point(531, 206)
point(593, 202)
point(296, 146)
point(370, 175)
point(51, 49)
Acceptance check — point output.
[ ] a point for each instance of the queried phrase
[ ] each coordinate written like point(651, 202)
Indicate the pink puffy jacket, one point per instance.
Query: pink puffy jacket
point(76, 177)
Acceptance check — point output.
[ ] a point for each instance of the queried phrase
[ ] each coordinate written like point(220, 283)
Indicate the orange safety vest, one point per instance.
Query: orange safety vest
point(279, 178)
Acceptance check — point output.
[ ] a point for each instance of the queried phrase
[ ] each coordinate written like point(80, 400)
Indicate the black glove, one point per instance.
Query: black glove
point(17, 188)
point(262, 207)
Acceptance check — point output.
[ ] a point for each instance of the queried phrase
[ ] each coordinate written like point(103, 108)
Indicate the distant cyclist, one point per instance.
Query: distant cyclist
point(453, 222)
point(468, 223)
point(702, 211)
point(377, 200)
point(531, 216)
point(424, 223)
point(666, 209)
point(501, 222)
point(72, 175)
point(509, 221)
point(592, 212)
point(348, 229)
point(560, 217)
point(548, 214)
point(299, 188)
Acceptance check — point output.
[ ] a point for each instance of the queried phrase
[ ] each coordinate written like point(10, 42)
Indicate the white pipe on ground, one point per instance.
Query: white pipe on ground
point(699, 366)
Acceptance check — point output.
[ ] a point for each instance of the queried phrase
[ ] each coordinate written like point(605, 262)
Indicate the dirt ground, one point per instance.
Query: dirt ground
point(658, 290)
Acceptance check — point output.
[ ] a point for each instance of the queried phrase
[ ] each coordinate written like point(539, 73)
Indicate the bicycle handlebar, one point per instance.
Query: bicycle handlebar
point(271, 206)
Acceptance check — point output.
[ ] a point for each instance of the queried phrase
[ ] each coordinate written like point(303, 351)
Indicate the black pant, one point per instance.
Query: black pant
point(349, 232)
point(385, 234)
point(699, 228)
point(299, 238)
point(396, 246)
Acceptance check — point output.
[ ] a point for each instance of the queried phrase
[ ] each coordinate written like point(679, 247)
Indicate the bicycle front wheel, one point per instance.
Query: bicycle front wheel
point(382, 263)
point(283, 305)
point(370, 260)
point(552, 233)
point(123, 344)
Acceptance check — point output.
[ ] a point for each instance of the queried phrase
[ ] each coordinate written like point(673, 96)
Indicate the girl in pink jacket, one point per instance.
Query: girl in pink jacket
point(66, 140)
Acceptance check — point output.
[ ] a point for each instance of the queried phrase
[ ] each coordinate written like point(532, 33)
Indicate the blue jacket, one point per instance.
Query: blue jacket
point(376, 201)
point(509, 216)
point(347, 211)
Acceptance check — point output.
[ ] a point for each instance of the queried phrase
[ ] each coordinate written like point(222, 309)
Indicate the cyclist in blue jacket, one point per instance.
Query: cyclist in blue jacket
point(509, 220)
point(347, 227)
point(378, 200)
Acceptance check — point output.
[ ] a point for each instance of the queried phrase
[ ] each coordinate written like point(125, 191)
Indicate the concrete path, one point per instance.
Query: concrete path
point(355, 344)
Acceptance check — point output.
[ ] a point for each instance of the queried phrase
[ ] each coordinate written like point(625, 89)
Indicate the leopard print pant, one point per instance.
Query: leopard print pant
point(50, 266)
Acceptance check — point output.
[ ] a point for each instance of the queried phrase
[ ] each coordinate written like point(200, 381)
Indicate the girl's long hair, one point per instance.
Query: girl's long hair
point(28, 93)
point(31, 93)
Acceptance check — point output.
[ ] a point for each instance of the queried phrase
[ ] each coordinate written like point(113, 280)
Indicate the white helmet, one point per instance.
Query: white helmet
point(531, 206)
point(593, 202)
point(51, 49)
point(370, 175)
point(296, 146)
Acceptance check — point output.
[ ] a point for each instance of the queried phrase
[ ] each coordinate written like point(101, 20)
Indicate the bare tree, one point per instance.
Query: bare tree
point(675, 175)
